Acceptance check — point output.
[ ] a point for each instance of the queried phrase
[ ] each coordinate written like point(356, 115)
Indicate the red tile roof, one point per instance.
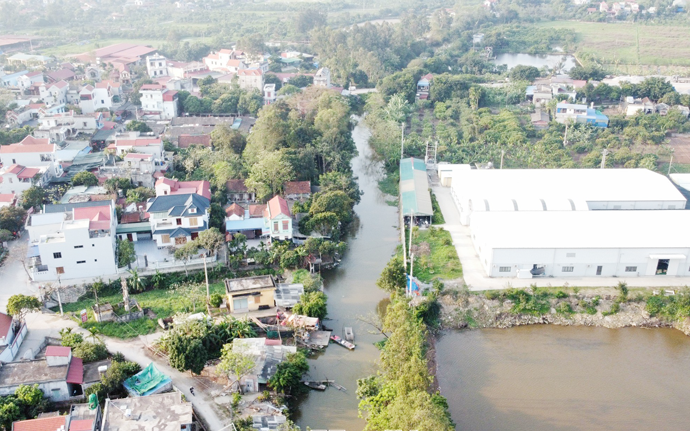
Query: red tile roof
point(61, 75)
point(256, 210)
point(75, 374)
point(249, 72)
point(30, 140)
point(130, 218)
point(278, 205)
point(15, 169)
point(137, 142)
point(28, 173)
point(202, 188)
point(185, 141)
point(138, 156)
point(297, 187)
point(6, 197)
point(234, 209)
point(5, 322)
point(236, 186)
point(42, 424)
point(81, 425)
point(169, 96)
point(152, 87)
point(58, 351)
point(99, 217)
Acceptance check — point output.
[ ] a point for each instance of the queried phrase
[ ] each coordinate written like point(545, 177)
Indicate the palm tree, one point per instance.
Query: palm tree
point(157, 280)
point(137, 282)
point(94, 334)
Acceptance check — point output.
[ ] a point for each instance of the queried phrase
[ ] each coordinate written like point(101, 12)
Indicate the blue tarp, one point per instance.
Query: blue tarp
point(236, 124)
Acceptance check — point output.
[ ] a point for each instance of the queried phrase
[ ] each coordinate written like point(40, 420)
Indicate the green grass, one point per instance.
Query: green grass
point(630, 44)
point(164, 303)
point(438, 215)
point(389, 185)
point(442, 261)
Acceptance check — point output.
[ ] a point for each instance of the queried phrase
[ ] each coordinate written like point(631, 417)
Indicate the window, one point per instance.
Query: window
point(286, 225)
point(616, 207)
point(193, 221)
point(165, 239)
point(78, 246)
point(630, 269)
point(503, 269)
point(567, 269)
point(57, 255)
point(81, 261)
point(10, 180)
point(60, 270)
point(14, 161)
point(178, 221)
point(570, 255)
point(275, 226)
point(84, 123)
point(192, 210)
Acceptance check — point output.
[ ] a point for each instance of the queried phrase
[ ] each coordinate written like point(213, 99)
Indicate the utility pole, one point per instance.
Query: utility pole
point(670, 163)
point(411, 267)
point(402, 138)
point(603, 158)
point(59, 299)
point(565, 137)
point(503, 153)
point(411, 225)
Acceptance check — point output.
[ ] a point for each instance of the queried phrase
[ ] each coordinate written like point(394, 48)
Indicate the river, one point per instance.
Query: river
point(352, 292)
point(566, 378)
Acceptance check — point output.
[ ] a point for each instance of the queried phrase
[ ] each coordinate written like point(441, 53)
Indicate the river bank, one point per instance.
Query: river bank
point(584, 307)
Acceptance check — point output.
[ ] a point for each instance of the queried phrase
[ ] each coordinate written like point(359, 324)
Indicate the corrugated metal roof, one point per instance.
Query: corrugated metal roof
point(414, 188)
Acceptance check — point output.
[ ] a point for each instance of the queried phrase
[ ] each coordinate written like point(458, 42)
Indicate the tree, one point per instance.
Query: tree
point(139, 194)
point(288, 376)
point(524, 73)
point(136, 282)
point(125, 253)
point(135, 97)
point(587, 73)
point(287, 90)
point(312, 304)
point(272, 78)
point(301, 81)
point(5, 235)
point(253, 44)
point(212, 240)
point(18, 306)
point(655, 88)
point(185, 353)
point(187, 251)
point(68, 338)
point(325, 223)
point(12, 218)
point(30, 396)
point(393, 278)
point(85, 178)
point(33, 197)
point(340, 181)
point(235, 363)
point(266, 178)
point(336, 202)
point(138, 126)
point(117, 183)
point(9, 413)
point(308, 19)
point(227, 140)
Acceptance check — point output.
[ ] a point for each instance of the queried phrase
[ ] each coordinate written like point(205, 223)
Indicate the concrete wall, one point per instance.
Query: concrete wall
point(55, 391)
point(253, 302)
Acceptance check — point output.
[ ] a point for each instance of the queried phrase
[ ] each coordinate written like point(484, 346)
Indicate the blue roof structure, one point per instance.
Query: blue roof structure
point(415, 199)
point(179, 205)
point(245, 224)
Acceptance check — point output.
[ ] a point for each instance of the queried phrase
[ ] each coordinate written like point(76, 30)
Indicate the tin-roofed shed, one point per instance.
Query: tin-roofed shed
point(415, 199)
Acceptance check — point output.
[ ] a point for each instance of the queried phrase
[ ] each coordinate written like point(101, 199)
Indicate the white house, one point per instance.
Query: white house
point(225, 60)
point(91, 99)
point(32, 152)
point(158, 102)
point(73, 241)
point(269, 94)
point(62, 126)
point(132, 143)
point(16, 179)
point(249, 79)
point(27, 80)
point(322, 78)
point(277, 219)
point(583, 243)
point(156, 66)
point(521, 190)
point(177, 219)
point(54, 93)
point(170, 186)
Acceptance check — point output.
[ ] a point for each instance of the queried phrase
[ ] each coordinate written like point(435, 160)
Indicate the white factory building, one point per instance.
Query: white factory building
point(572, 222)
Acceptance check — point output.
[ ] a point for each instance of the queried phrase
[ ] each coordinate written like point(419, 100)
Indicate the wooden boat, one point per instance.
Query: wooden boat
point(315, 386)
point(342, 342)
point(349, 335)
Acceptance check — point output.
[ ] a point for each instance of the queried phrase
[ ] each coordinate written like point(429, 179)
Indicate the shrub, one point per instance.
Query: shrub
point(615, 308)
point(90, 352)
point(216, 300)
point(564, 308)
point(560, 294)
point(69, 338)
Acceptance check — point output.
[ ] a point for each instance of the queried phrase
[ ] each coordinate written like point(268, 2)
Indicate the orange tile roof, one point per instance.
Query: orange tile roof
point(234, 209)
point(42, 424)
point(278, 205)
point(297, 187)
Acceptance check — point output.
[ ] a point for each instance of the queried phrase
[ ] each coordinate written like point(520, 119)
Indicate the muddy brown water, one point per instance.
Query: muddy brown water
point(566, 378)
point(352, 292)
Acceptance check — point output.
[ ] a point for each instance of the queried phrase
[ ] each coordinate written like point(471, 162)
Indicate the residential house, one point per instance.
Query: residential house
point(632, 106)
point(424, 86)
point(683, 110)
point(238, 192)
point(64, 74)
point(54, 93)
point(542, 94)
point(27, 80)
point(240, 220)
point(185, 141)
point(661, 108)
point(134, 143)
point(171, 186)
point(72, 241)
point(297, 190)
point(91, 99)
point(322, 78)
point(12, 80)
point(32, 152)
point(269, 94)
point(29, 59)
point(65, 125)
point(12, 333)
point(59, 375)
point(250, 79)
point(277, 219)
point(140, 169)
point(580, 114)
point(266, 355)
point(159, 412)
point(158, 102)
point(156, 66)
point(80, 418)
point(225, 60)
point(16, 179)
point(177, 219)
point(250, 293)
point(7, 200)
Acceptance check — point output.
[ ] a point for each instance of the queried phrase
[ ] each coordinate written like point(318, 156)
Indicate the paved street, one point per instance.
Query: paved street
point(476, 278)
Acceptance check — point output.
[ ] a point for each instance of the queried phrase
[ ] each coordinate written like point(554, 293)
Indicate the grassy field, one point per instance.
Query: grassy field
point(436, 256)
point(164, 303)
point(620, 44)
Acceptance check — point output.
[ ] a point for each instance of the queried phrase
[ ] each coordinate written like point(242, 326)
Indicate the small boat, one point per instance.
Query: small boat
point(349, 335)
point(315, 386)
point(342, 342)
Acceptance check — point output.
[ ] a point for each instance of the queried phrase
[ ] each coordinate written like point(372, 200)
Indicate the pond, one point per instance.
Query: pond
point(566, 378)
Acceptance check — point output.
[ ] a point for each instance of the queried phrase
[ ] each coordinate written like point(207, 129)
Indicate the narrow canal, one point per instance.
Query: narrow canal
point(352, 292)
point(537, 378)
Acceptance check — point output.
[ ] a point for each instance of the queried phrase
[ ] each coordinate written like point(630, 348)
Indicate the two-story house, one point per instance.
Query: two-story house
point(91, 99)
point(32, 152)
point(238, 191)
point(158, 102)
point(177, 219)
point(132, 143)
point(65, 125)
point(16, 179)
point(225, 60)
point(580, 114)
point(171, 186)
point(54, 93)
point(277, 219)
point(322, 78)
point(74, 240)
point(156, 66)
point(240, 220)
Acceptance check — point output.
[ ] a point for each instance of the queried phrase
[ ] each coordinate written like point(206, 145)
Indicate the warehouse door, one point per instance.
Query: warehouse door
point(599, 268)
point(240, 304)
point(662, 267)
